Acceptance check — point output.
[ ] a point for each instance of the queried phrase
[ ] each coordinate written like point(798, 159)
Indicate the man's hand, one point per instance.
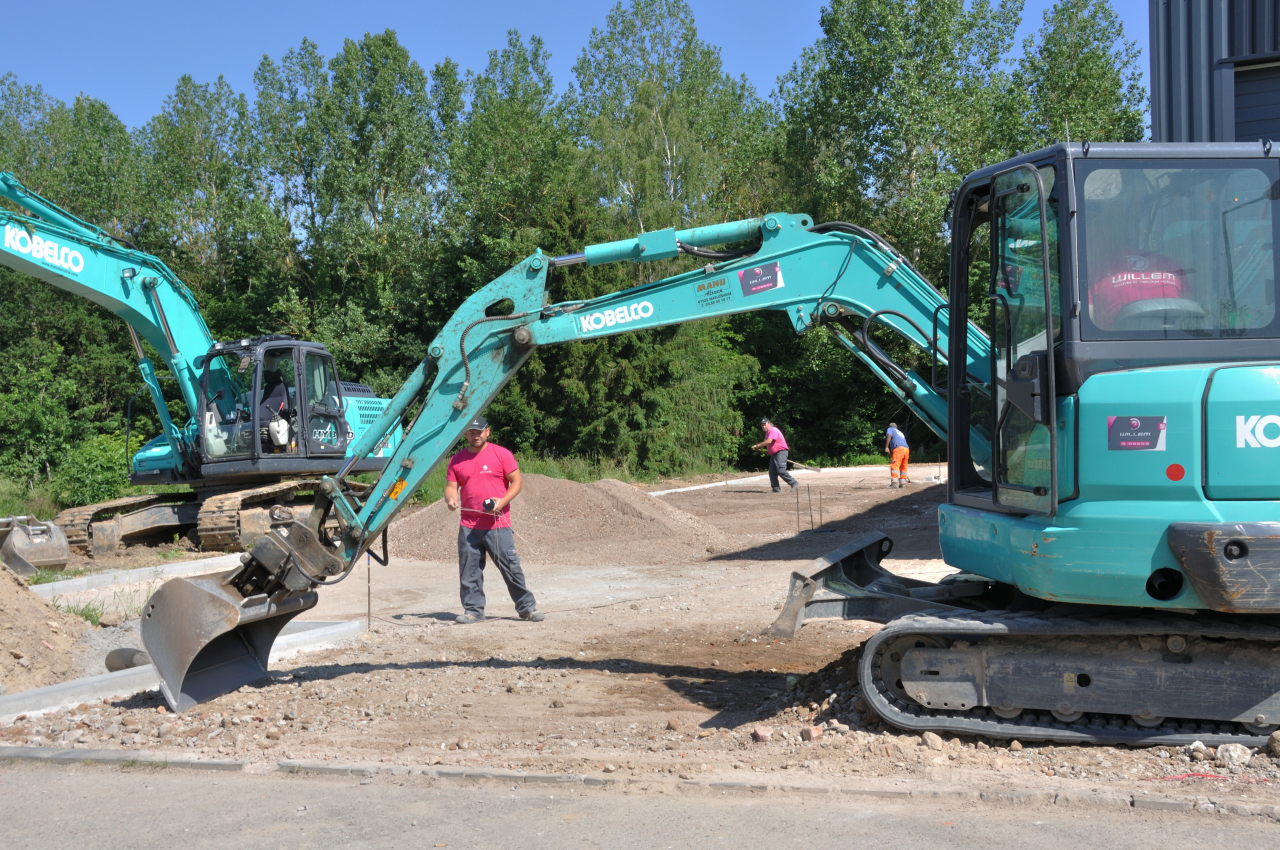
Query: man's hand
point(451, 495)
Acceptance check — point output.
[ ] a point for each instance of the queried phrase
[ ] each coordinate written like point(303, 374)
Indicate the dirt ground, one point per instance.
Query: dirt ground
point(37, 641)
point(641, 668)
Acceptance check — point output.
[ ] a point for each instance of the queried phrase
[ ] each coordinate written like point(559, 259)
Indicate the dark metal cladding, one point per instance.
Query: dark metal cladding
point(1234, 567)
point(1215, 70)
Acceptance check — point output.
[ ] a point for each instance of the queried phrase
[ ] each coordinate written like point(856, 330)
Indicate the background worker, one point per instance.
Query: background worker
point(895, 444)
point(488, 478)
point(776, 447)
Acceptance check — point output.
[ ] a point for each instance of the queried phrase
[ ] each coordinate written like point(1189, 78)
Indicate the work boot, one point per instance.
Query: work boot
point(468, 619)
point(533, 616)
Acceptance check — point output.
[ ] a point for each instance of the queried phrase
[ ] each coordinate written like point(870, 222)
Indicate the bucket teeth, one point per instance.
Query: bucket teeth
point(207, 640)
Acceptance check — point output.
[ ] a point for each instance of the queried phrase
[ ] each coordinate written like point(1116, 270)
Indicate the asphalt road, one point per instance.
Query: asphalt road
point(98, 807)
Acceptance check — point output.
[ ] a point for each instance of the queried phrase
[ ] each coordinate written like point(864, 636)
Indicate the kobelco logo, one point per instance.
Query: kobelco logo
point(620, 316)
point(17, 239)
point(1252, 432)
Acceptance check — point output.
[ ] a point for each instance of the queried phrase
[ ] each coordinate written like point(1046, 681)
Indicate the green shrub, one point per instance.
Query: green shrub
point(93, 471)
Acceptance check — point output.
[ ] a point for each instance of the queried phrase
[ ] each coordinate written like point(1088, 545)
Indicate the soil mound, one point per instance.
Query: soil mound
point(37, 641)
point(564, 522)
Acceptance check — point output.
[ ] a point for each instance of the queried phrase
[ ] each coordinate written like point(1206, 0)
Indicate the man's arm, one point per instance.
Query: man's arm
point(514, 483)
point(451, 495)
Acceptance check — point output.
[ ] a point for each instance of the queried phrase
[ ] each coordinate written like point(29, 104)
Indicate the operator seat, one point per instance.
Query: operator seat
point(275, 394)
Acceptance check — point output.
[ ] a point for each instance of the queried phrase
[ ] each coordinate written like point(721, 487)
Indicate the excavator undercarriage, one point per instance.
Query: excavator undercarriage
point(953, 658)
point(221, 519)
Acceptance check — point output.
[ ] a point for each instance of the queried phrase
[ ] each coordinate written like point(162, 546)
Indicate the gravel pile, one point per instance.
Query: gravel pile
point(564, 522)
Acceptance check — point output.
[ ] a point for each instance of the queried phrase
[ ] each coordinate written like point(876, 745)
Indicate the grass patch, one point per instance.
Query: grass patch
point(44, 576)
point(16, 499)
point(91, 611)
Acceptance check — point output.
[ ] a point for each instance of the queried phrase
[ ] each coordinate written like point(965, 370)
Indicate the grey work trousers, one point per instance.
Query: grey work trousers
point(778, 469)
point(499, 543)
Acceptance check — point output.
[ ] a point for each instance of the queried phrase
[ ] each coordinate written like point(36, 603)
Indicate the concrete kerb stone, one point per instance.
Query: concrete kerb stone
point(1074, 799)
point(118, 757)
point(1163, 804)
point(145, 574)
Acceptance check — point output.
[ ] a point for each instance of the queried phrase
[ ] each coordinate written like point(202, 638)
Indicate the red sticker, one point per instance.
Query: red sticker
point(1175, 472)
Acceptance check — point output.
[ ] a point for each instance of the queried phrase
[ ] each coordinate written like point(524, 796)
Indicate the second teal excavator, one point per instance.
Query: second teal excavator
point(269, 414)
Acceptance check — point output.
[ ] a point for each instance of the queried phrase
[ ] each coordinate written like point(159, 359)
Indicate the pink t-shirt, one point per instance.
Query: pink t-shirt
point(776, 441)
point(480, 476)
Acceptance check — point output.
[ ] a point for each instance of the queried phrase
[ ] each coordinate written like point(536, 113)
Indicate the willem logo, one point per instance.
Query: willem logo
point(1251, 432)
point(37, 247)
point(621, 316)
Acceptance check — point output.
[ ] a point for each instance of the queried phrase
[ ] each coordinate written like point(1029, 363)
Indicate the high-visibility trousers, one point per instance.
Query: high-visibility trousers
point(898, 463)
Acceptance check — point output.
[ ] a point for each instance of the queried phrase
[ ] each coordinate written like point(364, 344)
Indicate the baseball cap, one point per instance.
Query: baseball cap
point(765, 421)
point(477, 424)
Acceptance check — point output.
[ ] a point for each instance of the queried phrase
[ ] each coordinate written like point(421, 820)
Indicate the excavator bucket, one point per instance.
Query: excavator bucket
point(207, 640)
point(28, 545)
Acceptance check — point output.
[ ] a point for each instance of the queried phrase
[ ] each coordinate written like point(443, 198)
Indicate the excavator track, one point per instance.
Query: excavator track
point(959, 646)
point(223, 524)
point(75, 522)
point(219, 524)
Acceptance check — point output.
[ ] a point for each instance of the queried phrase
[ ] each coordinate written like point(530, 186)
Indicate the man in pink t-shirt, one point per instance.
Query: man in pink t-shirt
point(776, 445)
point(482, 480)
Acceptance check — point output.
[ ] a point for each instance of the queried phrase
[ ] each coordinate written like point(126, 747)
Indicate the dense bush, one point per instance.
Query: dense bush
point(93, 471)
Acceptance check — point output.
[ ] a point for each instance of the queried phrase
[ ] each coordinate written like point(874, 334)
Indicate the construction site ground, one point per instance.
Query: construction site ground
point(650, 666)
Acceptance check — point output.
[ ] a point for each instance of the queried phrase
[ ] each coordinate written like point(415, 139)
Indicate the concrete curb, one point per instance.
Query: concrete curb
point(297, 636)
point(1076, 800)
point(97, 580)
point(121, 757)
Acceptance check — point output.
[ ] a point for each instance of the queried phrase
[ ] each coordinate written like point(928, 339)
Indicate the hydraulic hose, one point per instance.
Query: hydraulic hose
point(460, 402)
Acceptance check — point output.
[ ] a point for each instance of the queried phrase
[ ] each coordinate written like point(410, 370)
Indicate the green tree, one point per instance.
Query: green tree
point(1081, 77)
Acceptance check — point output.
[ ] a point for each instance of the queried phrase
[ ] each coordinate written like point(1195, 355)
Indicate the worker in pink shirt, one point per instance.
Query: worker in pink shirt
point(482, 480)
point(776, 446)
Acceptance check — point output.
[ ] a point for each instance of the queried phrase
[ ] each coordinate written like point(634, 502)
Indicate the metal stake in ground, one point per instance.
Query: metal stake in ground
point(809, 492)
point(797, 489)
point(368, 596)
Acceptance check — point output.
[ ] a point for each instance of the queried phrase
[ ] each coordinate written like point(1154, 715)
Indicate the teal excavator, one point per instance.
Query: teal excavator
point(269, 415)
point(1114, 446)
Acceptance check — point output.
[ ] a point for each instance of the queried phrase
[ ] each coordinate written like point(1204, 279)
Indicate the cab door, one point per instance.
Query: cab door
point(1026, 318)
point(327, 430)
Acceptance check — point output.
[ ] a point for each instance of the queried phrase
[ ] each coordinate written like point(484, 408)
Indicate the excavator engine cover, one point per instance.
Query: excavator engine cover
point(206, 639)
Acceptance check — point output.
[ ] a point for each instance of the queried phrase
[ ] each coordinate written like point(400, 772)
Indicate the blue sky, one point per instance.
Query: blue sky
point(131, 54)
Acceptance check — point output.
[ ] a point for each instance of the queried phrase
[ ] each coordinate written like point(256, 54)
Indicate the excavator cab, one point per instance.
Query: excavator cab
point(272, 404)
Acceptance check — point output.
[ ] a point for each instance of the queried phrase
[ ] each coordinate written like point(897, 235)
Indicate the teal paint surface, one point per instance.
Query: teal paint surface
point(1103, 546)
point(1243, 417)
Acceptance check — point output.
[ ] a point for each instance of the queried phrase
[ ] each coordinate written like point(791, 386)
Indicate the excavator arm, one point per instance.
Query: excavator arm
point(60, 249)
point(212, 634)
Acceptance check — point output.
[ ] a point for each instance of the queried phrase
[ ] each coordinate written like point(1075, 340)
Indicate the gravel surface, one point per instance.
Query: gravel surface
point(647, 666)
